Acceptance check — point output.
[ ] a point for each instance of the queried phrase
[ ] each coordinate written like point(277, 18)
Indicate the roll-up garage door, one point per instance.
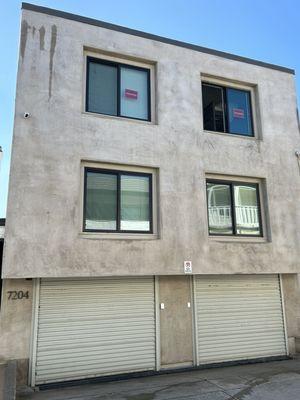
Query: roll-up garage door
point(93, 327)
point(238, 317)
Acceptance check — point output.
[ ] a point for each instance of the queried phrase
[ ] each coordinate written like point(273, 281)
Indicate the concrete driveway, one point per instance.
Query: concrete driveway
point(279, 380)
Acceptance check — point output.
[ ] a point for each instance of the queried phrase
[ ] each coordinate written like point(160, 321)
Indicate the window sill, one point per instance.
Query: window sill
point(233, 135)
point(237, 239)
point(118, 236)
point(115, 118)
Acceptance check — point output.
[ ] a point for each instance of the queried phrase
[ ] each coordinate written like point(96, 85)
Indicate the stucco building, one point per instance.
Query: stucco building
point(153, 206)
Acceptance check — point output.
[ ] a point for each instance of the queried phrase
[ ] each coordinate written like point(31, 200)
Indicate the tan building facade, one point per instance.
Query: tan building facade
point(153, 208)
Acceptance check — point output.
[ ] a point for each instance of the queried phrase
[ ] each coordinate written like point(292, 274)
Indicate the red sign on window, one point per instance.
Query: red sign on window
point(131, 94)
point(238, 113)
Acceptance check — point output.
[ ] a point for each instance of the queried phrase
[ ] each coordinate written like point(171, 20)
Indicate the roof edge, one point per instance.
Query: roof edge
point(134, 32)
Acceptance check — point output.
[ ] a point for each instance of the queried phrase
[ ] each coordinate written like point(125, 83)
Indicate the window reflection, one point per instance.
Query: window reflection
point(246, 210)
point(233, 208)
point(219, 209)
point(213, 108)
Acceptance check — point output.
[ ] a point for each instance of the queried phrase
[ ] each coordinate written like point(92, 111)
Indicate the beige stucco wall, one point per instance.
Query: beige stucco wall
point(44, 207)
point(291, 295)
point(15, 325)
point(15, 320)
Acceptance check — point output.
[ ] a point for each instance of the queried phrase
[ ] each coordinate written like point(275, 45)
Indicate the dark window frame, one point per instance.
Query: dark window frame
point(118, 66)
point(225, 111)
point(231, 184)
point(118, 173)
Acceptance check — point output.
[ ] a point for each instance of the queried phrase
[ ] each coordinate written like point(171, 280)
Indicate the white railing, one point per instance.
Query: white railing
point(246, 216)
point(111, 225)
point(219, 217)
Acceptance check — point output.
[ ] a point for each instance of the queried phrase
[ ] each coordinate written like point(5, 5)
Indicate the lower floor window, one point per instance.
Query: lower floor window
point(233, 208)
point(117, 201)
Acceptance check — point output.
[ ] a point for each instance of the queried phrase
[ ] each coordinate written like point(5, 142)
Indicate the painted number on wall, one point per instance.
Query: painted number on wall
point(17, 295)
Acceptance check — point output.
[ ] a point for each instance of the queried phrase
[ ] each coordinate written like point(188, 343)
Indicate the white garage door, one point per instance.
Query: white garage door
point(94, 327)
point(238, 317)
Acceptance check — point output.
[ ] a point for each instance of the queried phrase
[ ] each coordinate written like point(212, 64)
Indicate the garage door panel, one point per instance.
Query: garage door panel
point(238, 317)
point(238, 356)
point(66, 375)
point(120, 346)
point(85, 360)
point(94, 327)
point(94, 354)
point(97, 336)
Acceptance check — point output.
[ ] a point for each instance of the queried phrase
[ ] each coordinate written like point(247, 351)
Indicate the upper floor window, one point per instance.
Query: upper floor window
point(233, 208)
point(117, 201)
point(118, 89)
point(227, 110)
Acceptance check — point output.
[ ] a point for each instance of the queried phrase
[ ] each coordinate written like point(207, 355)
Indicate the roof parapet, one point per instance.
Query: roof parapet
point(134, 32)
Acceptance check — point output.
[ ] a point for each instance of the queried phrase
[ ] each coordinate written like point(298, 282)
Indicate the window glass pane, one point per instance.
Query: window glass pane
point(134, 93)
point(246, 210)
point(219, 208)
point(213, 108)
point(135, 203)
point(101, 201)
point(239, 113)
point(102, 89)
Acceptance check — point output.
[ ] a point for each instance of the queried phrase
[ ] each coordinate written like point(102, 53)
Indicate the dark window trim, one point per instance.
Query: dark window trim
point(231, 184)
point(225, 105)
point(118, 173)
point(118, 66)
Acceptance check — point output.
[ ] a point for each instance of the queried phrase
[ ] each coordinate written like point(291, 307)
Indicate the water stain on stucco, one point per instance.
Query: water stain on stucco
point(298, 118)
point(42, 38)
point(52, 51)
point(208, 144)
point(143, 396)
point(24, 33)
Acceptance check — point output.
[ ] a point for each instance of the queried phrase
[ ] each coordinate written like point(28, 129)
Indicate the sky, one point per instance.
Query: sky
point(266, 30)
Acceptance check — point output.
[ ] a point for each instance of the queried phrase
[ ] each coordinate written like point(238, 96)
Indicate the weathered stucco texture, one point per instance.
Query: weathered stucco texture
point(290, 288)
point(43, 217)
point(15, 320)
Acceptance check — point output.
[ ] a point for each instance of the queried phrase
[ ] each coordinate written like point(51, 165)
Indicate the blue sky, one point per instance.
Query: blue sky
point(266, 30)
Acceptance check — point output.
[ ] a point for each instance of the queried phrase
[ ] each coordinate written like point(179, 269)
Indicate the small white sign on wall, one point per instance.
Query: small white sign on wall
point(187, 265)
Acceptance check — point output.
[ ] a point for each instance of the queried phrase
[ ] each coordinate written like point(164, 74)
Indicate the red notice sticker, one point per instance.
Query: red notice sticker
point(238, 113)
point(131, 94)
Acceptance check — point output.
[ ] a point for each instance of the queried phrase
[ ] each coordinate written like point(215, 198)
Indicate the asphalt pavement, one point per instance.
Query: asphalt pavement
point(276, 380)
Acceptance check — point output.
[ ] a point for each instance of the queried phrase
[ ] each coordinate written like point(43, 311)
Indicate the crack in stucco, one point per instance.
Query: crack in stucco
point(52, 51)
